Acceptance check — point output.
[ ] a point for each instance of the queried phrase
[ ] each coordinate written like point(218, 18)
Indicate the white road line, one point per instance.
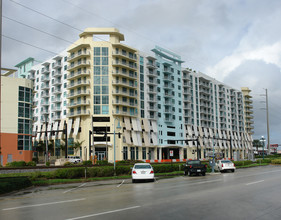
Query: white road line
point(104, 213)
point(75, 188)
point(121, 183)
point(254, 182)
point(50, 203)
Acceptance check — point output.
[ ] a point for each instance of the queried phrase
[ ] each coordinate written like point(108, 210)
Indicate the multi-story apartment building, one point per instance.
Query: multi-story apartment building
point(213, 112)
point(96, 85)
point(16, 125)
point(24, 67)
point(248, 110)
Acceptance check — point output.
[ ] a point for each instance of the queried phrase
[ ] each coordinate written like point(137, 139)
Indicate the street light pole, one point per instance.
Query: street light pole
point(118, 127)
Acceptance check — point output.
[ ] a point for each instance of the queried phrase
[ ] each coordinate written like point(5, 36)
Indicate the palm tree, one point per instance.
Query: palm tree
point(257, 144)
point(77, 145)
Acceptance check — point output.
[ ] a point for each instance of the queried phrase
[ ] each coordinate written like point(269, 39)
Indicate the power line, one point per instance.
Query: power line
point(37, 29)
point(40, 48)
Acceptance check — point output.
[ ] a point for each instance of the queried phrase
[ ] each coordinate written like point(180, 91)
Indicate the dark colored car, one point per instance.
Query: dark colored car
point(194, 167)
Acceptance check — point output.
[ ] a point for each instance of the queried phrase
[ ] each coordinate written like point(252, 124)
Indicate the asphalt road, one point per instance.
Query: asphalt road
point(252, 193)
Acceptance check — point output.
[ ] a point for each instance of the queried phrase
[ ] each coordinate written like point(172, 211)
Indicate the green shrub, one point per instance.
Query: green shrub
point(87, 162)
point(276, 161)
point(31, 164)
point(67, 164)
point(242, 163)
point(10, 184)
point(47, 163)
point(69, 173)
point(102, 162)
point(123, 170)
point(16, 164)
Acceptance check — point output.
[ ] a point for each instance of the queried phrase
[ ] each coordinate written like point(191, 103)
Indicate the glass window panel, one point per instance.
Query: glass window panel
point(105, 61)
point(105, 109)
point(104, 70)
point(96, 70)
point(104, 89)
point(97, 99)
point(104, 51)
point(96, 79)
point(105, 100)
point(97, 51)
point(96, 60)
point(105, 80)
point(97, 90)
point(97, 109)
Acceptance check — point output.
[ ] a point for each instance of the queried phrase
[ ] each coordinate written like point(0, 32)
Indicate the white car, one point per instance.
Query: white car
point(74, 159)
point(142, 171)
point(225, 165)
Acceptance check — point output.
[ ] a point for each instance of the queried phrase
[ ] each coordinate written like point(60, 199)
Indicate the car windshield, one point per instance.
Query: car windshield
point(193, 162)
point(226, 161)
point(145, 166)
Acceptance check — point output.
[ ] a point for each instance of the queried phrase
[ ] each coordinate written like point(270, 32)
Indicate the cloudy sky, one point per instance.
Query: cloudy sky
point(235, 41)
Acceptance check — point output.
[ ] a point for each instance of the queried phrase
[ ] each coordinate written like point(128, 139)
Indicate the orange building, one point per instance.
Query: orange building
point(16, 118)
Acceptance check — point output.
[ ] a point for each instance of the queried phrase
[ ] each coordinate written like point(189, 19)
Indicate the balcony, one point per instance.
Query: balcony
point(129, 104)
point(78, 55)
point(57, 91)
point(127, 75)
point(152, 82)
point(57, 100)
point(125, 55)
point(45, 70)
point(79, 103)
point(78, 83)
point(57, 65)
point(45, 79)
point(78, 93)
point(125, 65)
point(79, 74)
point(45, 87)
point(57, 109)
point(57, 73)
point(124, 113)
point(80, 64)
point(45, 95)
point(125, 84)
point(46, 104)
point(78, 113)
point(57, 82)
point(129, 94)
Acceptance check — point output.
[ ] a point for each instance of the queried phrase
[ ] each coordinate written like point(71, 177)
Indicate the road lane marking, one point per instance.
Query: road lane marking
point(75, 188)
point(121, 183)
point(50, 203)
point(254, 182)
point(104, 213)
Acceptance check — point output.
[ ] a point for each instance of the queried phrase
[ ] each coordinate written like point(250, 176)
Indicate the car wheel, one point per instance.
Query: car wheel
point(133, 181)
point(233, 171)
point(203, 174)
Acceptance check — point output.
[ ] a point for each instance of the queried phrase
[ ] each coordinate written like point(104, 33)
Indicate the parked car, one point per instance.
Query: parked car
point(225, 165)
point(194, 166)
point(142, 171)
point(74, 159)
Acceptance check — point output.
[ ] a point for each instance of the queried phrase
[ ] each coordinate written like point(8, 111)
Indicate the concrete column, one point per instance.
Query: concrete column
point(181, 153)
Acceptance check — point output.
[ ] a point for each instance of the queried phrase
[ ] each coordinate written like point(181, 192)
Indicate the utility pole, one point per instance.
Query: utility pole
point(267, 121)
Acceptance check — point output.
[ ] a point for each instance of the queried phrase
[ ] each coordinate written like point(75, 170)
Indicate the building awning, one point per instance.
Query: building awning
point(135, 125)
point(127, 123)
point(76, 126)
point(146, 125)
point(38, 134)
point(61, 127)
point(127, 137)
point(154, 138)
point(135, 138)
point(43, 130)
point(189, 130)
point(55, 127)
point(195, 131)
point(69, 126)
point(206, 132)
point(200, 131)
point(146, 137)
point(211, 132)
point(154, 126)
point(49, 129)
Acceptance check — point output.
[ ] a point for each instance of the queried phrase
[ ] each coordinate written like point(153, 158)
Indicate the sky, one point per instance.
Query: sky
point(234, 41)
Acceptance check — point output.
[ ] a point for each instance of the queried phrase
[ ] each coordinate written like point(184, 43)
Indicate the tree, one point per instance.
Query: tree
point(77, 145)
point(257, 144)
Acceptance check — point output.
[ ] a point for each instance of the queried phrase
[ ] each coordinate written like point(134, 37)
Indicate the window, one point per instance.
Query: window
point(97, 51)
point(144, 153)
point(104, 51)
point(125, 153)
